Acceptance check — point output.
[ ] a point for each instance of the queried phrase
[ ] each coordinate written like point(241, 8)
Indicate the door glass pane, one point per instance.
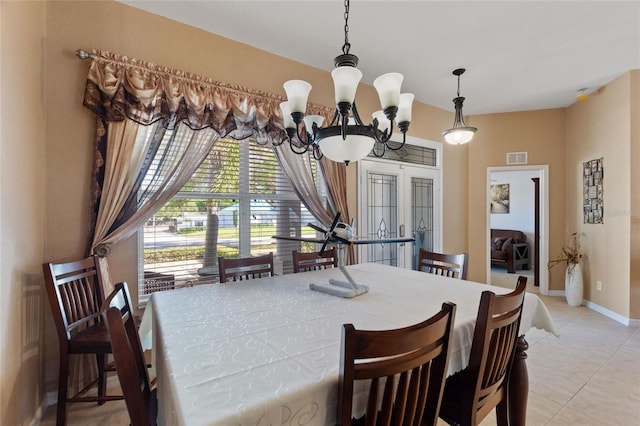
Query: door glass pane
point(383, 217)
point(421, 215)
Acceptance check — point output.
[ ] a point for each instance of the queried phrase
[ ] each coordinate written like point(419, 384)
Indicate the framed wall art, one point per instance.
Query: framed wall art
point(593, 201)
point(500, 198)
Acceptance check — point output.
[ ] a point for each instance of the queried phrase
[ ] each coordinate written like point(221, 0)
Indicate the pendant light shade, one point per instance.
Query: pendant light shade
point(460, 133)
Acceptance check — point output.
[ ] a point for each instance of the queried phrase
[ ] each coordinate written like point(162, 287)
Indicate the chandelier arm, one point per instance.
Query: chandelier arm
point(403, 127)
point(375, 151)
point(380, 136)
point(307, 140)
point(404, 140)
point(317, 154)
point(356, 116)
point(302, 150)
point(334, 119)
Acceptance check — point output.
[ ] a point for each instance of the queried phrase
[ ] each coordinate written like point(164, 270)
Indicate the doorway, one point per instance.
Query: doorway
point(398, 200)
point(522, 182)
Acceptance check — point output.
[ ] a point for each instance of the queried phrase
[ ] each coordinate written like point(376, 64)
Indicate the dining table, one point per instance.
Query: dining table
point(267, 351)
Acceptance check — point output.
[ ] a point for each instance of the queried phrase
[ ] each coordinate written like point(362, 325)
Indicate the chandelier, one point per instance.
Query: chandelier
point(346, 138)
point(460, 133)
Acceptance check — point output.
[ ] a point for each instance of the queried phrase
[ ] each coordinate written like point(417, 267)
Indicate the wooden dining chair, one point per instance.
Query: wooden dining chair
point(245, 268)
point(472, 393)
point(303, 262)
point(410, 363)
point(75, 292)
point(128, 356)
point(448, 265)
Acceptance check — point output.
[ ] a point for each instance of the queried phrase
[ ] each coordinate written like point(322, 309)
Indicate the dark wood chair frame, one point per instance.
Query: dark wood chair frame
point(303, 262)
point(410, 363)
point(245, 268)
point(75, 293)
point(448, 265)
point(128, 357)
point(472, 393)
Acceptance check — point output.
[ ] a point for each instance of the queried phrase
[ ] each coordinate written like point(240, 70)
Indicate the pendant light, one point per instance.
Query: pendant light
point(460, 133)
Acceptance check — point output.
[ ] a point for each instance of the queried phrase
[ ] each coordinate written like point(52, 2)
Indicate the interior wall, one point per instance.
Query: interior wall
point(634, 252)
point(601, 128)
point(119, 28)
point(541, 135)
point(22, 209)
point(35, 34)
point(521, 214)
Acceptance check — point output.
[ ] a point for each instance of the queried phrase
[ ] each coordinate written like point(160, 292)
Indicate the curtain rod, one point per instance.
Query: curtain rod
point(83, 54)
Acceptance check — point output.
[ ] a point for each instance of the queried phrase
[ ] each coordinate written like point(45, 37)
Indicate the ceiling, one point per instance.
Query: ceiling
point(519, 55)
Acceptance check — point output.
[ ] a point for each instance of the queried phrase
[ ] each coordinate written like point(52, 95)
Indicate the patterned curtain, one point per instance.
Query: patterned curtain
point(137, 169)
point(335, 175)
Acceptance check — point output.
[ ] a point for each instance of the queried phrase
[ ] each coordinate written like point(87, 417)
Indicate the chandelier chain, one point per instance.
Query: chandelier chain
point(347, 45)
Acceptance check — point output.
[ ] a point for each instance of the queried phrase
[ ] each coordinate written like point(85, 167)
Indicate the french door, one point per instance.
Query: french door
point(398, 200)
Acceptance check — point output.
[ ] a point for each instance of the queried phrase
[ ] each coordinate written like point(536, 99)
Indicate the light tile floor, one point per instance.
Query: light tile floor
point(588, 376)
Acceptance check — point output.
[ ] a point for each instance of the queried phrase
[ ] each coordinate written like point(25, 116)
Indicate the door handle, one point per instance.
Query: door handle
point(401, 231)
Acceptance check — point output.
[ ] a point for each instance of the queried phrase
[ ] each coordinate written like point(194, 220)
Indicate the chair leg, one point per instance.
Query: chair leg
point(102, 380)
point(502, 417)
point(63, 382)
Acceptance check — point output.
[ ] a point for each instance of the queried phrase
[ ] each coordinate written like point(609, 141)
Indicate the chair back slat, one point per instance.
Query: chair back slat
point(245, 268)
point(447, 265)
point(314, 261)
point(407, 365)
point(75, 292)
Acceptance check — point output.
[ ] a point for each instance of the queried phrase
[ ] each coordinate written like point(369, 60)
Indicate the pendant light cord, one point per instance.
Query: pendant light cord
point(347, 45)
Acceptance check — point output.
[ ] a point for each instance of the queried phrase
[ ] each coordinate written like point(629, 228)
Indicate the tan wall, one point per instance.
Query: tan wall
point(62, 27)
point(541, 135)
point(634, 293)
point(22, 210)
point(119, 28)
point(601, 127)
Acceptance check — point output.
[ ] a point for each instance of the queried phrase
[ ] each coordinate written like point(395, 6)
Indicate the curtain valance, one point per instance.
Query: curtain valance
point(119, 87)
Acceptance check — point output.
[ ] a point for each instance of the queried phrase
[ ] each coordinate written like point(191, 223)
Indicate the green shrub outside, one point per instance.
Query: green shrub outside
point(191, 229)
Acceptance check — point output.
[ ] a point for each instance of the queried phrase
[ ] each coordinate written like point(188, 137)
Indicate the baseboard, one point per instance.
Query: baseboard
point(604, 311)
point(610, 314)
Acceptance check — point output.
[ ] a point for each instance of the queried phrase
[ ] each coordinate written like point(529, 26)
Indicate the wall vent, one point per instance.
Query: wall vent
point(516, 158)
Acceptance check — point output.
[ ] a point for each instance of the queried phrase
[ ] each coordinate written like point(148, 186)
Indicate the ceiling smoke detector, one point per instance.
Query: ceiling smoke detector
point(582, 95)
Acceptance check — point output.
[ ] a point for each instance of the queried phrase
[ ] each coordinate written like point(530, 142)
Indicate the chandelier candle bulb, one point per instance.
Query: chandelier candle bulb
point(345, 83)
point(297, 94)
point(286, 115)
point(310, 120)
point(388, 88)
point(404, 108)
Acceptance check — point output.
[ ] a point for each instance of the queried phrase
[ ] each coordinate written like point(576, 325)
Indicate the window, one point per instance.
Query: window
point(231, 207)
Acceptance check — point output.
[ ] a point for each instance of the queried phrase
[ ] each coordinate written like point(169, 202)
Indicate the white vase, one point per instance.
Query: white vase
point(573, 285)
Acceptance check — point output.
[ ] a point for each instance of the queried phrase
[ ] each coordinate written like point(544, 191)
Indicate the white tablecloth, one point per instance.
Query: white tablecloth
point(266, 352)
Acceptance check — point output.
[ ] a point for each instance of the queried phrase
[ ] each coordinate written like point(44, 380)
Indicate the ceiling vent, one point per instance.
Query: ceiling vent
point(516, 158)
